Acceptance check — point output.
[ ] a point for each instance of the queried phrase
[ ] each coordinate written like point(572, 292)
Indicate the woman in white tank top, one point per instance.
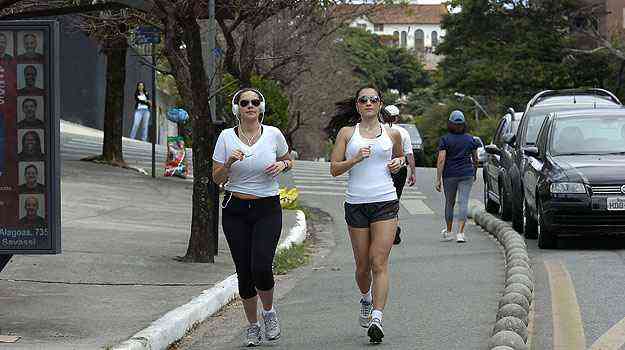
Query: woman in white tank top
point(370, 152)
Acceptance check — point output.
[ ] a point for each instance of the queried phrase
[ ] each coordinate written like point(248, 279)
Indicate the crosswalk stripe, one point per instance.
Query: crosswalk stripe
point(416, 206)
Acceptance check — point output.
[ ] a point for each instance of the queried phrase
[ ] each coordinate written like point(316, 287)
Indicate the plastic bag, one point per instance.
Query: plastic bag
point(176, 164)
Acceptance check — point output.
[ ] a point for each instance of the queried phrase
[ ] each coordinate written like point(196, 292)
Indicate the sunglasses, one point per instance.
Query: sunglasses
point(244, 103)
point(364, 99)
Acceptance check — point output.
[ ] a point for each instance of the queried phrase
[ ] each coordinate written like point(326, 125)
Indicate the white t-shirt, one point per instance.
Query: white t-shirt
point(248, 175)
point(405, 139)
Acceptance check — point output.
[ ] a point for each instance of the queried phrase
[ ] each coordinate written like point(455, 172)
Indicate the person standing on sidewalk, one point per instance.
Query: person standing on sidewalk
point(248, 159)
point(370, 152)
point(390, 115)
point(455, 173)
point(142, 112)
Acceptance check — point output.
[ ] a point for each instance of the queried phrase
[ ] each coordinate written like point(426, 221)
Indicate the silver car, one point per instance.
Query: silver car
point(482, 156)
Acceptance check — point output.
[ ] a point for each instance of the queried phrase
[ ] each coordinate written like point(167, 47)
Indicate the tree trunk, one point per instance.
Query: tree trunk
point(114, 108)
point(202, 242)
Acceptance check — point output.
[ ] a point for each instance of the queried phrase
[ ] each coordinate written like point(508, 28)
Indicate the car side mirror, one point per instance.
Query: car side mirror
point(531, 151)
point(509, 139)
point(492, 149)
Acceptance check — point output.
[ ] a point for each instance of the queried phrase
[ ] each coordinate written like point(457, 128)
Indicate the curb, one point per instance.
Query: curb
point(175, 324)
point(510, 330)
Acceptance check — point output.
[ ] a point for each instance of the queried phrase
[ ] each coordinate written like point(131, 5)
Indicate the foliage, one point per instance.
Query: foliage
point(508, 52)
point(288, 198)
point(290, 258)
point(383, 66)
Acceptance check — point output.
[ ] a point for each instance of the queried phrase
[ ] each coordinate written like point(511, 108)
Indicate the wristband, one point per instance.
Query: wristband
point(286, 166)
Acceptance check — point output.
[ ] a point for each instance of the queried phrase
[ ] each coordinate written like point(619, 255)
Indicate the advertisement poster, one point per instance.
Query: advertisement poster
point(27, 133)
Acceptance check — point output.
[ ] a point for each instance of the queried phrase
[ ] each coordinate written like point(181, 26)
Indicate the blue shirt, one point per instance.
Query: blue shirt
point(459, 148)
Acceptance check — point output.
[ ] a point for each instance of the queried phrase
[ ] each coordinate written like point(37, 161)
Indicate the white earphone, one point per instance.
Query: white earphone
point(235, 105)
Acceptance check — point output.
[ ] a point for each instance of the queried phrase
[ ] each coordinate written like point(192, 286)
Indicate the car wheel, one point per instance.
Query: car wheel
point(505, 206)
point(529, 223)
point(491, 206)
point(546, 238)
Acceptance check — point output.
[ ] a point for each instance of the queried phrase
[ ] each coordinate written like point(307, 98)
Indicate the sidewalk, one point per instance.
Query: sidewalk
point(121, 232)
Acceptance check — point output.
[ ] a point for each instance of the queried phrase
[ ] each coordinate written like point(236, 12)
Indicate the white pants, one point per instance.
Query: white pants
point(142, 116)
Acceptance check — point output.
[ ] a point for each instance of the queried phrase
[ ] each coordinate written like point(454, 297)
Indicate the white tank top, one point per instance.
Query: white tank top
point(370, 180)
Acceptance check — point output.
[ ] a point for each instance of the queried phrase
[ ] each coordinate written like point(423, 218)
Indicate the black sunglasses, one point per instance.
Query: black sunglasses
point(244, 103)
point(364, 99)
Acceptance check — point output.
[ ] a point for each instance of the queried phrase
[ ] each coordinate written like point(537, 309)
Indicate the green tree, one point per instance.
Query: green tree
point(367, 55)
point(509, 51)
point(406, 71)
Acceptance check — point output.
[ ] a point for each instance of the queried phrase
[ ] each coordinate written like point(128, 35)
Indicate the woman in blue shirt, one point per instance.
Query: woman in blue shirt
point(456, 167)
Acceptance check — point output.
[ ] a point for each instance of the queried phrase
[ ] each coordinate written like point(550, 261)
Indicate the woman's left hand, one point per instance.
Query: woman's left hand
point(394, 165)
point(274, 169)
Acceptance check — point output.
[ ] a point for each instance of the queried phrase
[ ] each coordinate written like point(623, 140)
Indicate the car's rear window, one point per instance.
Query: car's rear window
point(412, 131)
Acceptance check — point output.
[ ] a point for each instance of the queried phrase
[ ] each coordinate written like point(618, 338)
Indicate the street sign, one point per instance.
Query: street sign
point(30, 198)
point(147, 35)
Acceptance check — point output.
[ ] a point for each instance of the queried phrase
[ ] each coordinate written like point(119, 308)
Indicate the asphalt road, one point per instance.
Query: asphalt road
point(443, 295)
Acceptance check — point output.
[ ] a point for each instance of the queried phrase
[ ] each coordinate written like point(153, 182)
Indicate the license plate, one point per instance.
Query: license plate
point(616, 203)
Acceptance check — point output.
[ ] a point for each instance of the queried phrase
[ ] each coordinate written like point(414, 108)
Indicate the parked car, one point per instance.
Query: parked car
point(417, 142)
point(574, 178)
point(497, 184)
point(482, 157)
point(537, 109)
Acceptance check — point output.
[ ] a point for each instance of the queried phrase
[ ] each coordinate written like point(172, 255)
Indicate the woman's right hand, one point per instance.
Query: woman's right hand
point(438, 185)
point(363, 152)
point(236, 155)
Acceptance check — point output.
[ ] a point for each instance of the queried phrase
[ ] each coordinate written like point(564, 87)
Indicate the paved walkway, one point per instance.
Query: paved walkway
point(121, 234)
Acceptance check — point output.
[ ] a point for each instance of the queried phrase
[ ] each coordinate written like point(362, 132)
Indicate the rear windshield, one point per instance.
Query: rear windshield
point(588, 135)
point(412, 131)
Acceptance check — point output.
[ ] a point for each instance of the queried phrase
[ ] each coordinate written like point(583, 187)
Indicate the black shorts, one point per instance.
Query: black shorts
point(363, 215)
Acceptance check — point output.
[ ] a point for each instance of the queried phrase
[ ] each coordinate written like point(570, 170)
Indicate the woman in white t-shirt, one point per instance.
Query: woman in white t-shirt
point(142, 112)
point(248, 159)
point(370, 152)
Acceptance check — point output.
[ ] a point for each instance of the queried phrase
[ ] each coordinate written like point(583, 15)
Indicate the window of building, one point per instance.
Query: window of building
point(362, 26)
point(378, 27)
point(404, 39)
point(419, 42)
point(395, 38)
point(434, 39)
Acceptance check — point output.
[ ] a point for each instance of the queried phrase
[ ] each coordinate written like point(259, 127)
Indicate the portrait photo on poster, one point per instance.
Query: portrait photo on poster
point(7, 51)
point(30, 112)
point(32, 210)
point(30, 46)
point(30, 79)
point(31, 177)
point(30, 144)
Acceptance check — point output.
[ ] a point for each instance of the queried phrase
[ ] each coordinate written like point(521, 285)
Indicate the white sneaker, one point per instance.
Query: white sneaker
point(375, 331)
point(445, 236)
point(364, 316)
point(460, 238)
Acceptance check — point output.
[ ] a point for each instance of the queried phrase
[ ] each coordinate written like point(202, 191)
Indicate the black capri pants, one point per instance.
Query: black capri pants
point(252, 229)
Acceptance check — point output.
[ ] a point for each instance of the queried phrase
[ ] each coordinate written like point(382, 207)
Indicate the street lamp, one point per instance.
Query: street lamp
point(477, 104)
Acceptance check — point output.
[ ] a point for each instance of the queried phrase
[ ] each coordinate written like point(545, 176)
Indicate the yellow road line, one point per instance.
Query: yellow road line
point(613, 339)
point(568, 329)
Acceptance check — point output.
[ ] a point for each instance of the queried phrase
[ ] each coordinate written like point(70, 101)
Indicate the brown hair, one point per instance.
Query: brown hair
point(457, 128)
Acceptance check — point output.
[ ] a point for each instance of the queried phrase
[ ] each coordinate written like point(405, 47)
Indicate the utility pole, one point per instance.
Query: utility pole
point(154, 110)
point(208, 29)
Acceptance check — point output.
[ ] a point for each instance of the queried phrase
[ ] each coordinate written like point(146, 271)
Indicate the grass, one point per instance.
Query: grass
point(291, 258)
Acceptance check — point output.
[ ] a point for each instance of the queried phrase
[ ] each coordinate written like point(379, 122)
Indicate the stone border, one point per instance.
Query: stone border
point(510, 330)
point(176, 323)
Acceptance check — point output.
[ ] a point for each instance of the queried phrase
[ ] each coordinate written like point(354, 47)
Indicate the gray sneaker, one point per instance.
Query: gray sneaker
point(253, 335)
point(272, 325)
point(365, 313)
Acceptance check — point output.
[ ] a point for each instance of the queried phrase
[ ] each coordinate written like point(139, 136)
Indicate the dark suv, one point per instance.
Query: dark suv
point(538, 107)
point(497, 185)
point(417, 142)
point(573, 178)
